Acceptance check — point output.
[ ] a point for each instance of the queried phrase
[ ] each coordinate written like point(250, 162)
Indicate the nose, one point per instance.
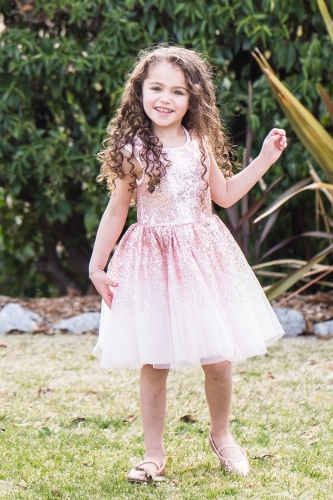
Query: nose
point(165, 97)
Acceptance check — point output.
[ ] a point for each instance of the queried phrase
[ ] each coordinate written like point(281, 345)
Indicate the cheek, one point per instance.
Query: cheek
point(186, 104)
point(147, 99)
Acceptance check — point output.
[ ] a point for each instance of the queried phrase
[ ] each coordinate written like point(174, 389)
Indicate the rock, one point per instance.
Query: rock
point(324, 328)
point(14, 317)
point(292, 321)
point(80, 323)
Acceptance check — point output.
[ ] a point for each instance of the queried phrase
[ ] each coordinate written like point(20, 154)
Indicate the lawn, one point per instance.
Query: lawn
point(72, 431)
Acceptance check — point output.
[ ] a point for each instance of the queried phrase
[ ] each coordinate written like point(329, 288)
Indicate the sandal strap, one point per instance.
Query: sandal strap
point(148, 461)
point(228, 445)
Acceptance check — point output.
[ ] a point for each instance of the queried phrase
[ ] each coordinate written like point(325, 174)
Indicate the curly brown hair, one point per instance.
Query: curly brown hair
point(201, 120)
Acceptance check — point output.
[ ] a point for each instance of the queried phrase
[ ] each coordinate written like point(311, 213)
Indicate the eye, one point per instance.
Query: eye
point(179, 92)
point(156, 88)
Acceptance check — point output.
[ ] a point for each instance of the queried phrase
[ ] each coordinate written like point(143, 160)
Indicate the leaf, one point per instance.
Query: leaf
point(278, 204)
point(328, 102)
point(129, 418)
point(263, 457)
point(26, 8)
point(316, 178)
point(284, 284)
point(278, 246)
point(257, 204)
point(309, 131)
point(187, 419)
point(268, 226)
point(44, 431)
point(326, 16)
point(290, 190)
point(78, 420)
point(304, 287)
point(44, 391)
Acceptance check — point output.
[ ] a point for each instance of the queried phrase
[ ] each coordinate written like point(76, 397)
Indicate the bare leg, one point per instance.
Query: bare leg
point(218, 387)
point(153, 409)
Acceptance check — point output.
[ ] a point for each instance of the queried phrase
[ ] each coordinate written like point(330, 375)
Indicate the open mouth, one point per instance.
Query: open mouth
point(164, 111)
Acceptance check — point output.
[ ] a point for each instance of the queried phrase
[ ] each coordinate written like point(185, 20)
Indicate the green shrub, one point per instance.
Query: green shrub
point(62, 66)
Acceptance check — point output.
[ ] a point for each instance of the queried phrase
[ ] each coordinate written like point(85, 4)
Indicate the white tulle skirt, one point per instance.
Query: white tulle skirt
point(186, 295)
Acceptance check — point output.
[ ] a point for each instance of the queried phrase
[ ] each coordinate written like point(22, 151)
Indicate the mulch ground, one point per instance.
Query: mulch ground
point(315, 308)
point(58, 308)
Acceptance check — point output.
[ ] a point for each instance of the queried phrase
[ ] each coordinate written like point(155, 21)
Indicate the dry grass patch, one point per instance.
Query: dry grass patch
point(71, 430)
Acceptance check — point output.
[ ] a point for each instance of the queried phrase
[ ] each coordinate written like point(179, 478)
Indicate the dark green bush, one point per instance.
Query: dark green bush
point(62, 67)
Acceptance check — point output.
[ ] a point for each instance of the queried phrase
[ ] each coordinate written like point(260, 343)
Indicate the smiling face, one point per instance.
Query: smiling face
point(165, 95)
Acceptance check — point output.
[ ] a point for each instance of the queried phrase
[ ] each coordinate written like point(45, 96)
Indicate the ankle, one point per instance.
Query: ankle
point(220, 433)
point(156, 453)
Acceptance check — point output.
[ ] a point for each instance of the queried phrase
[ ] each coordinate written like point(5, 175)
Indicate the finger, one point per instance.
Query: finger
point(282, 145)
point(277, 140)
point(277, 131)
point(273, 140)
point(108, 281)
point(107, 296)
point(108, 301)
point(108, 291)
point(111, 282)
point(105, 280)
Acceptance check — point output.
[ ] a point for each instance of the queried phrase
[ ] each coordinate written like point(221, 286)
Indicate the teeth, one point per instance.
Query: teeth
point(161, 110)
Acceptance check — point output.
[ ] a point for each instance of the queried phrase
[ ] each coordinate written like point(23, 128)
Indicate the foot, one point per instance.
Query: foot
point(239, 463)
point(155, 464)
point(146, 470)
point(234, 452)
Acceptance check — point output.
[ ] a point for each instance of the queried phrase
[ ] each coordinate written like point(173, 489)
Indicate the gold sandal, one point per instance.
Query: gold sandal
point(241, 466)
point(140, 475)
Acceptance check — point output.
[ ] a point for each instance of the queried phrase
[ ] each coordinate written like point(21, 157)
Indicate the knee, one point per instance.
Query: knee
point(218, 370)
point(158, 374)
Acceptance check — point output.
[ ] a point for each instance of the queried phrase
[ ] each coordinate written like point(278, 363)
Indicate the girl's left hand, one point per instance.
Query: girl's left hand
point(273, 146)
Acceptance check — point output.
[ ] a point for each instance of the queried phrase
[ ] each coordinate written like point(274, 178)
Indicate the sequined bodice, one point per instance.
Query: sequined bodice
point(177, 200)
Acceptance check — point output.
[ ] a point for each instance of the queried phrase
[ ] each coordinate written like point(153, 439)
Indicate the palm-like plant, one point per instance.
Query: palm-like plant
point(320, 145)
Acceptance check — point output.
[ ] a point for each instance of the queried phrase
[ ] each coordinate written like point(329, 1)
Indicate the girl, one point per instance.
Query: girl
point(178, 290)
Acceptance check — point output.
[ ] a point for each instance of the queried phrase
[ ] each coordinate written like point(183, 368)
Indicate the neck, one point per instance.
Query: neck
point(169, 133)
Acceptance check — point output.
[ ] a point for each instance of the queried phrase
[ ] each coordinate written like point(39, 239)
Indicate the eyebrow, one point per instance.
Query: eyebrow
point(162, 84)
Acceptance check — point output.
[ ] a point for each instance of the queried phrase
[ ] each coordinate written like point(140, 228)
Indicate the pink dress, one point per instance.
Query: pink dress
point(186, 293)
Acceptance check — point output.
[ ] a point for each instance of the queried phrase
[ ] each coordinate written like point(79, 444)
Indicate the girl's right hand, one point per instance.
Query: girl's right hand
point(273, 146)
point(102, 283)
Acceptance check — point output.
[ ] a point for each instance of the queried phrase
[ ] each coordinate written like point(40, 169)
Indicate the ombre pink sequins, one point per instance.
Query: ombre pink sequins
point(186, 293)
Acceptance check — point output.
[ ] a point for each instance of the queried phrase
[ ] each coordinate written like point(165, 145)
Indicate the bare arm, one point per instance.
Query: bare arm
point(225, 192)
point(111, 224)
point(109, 230)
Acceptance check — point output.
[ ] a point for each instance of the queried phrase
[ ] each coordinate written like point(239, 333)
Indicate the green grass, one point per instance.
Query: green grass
point(285, 423)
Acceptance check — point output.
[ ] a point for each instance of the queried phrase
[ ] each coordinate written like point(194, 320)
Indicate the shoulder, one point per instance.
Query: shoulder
point(200, 140)
point(134, 147)
point(131, 156)
point(197, 138)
